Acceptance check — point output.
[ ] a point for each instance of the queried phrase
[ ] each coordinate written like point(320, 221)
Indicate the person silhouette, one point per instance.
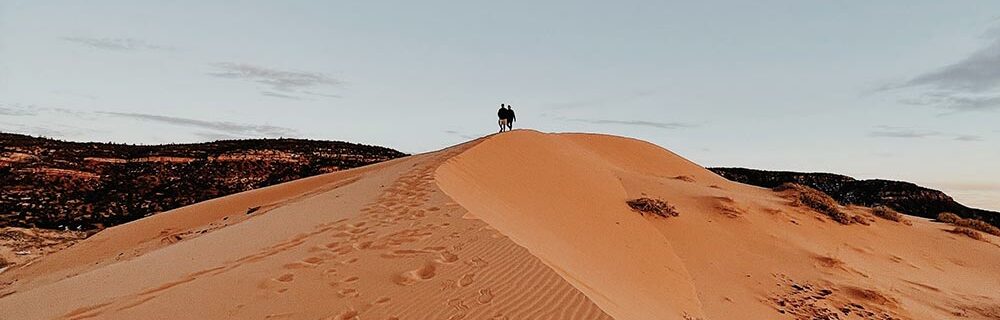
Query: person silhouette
point(510, 118)
point(503, 115)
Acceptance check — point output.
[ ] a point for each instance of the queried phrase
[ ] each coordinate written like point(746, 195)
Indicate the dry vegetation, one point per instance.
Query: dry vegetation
point(948, 217)
point(968, 233)
point(653, 206)
point(4, 263)
point(973, 224)
point(979, 225)
point(819, 201)
point(887, 213)
point(685, 178)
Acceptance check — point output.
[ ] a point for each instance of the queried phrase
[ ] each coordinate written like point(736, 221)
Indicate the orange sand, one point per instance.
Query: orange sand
point(521, 225)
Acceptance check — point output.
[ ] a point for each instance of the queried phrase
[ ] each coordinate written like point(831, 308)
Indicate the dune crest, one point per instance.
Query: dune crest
point(521, 225)
point(564, 203)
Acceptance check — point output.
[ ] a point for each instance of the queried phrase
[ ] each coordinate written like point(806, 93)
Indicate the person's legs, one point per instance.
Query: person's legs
point(503, 124)
point(510, 125)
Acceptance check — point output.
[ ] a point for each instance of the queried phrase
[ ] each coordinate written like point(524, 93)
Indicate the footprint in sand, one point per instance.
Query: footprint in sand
point(405, 253)
point(341, 234)
point(348, 292)
point(458, 305)
point(447, 257)
point(310, 262)
point(351, 279)
point(411, 277)
point(466, 280)
point(485, 296)
point(313, 260)
point(348, 315)
point(382, 300)
point(363, 245)
point(448, 284)
point(288, 277)
point(477, 263)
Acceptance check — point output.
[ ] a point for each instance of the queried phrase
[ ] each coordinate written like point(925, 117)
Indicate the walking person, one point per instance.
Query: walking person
point(510, 118)
point(503, 115)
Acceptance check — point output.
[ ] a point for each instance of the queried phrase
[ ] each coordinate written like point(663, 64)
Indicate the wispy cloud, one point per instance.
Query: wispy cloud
point(641, 123)
point(280, 95)
point(970, 84)
point(956, 102)
point(286, 82)
point(901, 132)
point(115, 44)
point(18, 111)
point(915, 133)
point(969, 138)
point(979, 72)
point(228, 128)
point(320, 94)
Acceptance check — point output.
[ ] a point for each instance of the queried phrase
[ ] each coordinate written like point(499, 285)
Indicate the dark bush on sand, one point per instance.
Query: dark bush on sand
point(819, 201)
point(654, 206)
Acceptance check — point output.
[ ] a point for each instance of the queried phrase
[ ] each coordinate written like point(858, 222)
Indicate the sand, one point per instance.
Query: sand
point(520, 225)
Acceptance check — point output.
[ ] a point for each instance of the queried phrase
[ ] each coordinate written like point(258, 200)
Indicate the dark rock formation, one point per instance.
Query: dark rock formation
point(904, 197)
point(54, 184)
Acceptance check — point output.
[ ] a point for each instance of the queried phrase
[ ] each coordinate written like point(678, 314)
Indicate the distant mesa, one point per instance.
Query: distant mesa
point(901, 196)
point(53, 184)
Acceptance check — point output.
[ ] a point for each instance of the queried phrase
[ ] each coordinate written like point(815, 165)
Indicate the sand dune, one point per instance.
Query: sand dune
point(521, 225)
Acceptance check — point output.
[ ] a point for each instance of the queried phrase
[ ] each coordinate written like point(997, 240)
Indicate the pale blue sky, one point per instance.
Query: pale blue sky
point(905, 90)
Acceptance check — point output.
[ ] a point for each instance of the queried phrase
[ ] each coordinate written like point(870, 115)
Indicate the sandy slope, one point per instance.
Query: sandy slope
point(521, 225)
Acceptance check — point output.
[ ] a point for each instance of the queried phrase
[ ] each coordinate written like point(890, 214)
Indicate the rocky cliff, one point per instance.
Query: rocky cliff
point(905, 197)
point(54, 184)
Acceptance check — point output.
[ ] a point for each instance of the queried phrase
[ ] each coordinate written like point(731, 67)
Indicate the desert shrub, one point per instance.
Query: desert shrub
point(4, 263)
point(685, 178)
point(968, 233)
point(860, 220)
point(653, 206)
point(974, 224)
point(887, 213)
point(819, 201)
point(948, 217)
point(978, 225)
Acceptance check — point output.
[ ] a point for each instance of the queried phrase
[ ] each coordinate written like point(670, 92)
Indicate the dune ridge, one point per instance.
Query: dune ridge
point(520, 225)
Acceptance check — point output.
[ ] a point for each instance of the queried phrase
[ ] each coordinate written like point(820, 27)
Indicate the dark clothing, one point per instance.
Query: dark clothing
point(503, 115)
point(510, 119)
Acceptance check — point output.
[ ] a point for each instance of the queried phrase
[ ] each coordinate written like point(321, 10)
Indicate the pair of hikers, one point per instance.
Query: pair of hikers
point(506, 118)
